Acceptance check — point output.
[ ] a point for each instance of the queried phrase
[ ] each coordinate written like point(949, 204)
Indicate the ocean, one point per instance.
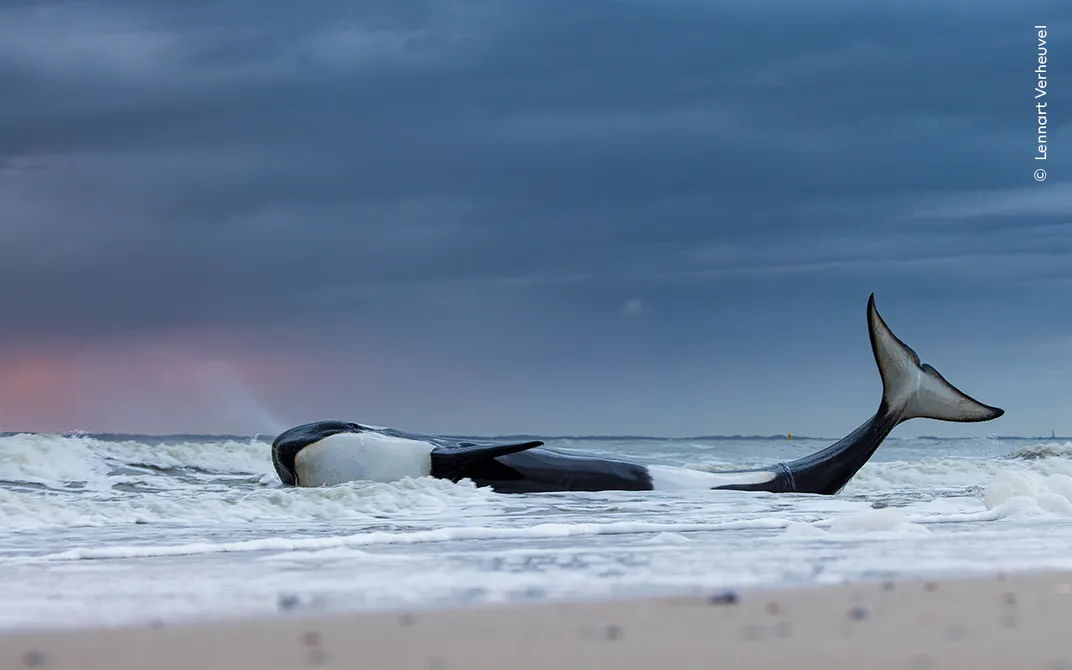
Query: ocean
point(120, 530)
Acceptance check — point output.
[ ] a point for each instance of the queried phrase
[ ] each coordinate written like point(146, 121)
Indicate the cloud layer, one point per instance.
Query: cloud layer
point(610, 217)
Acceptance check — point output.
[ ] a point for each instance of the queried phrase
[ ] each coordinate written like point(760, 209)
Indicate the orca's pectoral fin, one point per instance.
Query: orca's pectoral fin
point(451, 462)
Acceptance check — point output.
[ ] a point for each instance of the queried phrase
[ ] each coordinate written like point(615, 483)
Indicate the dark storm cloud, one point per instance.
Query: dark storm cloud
point(220, 162)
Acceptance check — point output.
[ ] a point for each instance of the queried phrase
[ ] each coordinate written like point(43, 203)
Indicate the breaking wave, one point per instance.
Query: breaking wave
point(78, 480)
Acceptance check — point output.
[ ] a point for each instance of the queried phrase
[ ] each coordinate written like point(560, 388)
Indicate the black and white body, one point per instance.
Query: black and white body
point(332, 452)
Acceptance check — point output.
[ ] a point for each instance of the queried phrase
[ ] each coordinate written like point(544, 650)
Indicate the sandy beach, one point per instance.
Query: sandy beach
point(1016, 621)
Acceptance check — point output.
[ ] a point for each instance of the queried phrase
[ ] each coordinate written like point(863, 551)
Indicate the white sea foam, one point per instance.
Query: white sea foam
point(348, 502)
point(92, 482)
point(887, 522)
point(64, 460)
point(541, 532)
point(192, 526)
point(50, 460)
point(1028, 490)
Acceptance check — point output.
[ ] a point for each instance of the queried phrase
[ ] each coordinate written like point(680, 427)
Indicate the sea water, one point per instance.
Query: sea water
point(122, 530)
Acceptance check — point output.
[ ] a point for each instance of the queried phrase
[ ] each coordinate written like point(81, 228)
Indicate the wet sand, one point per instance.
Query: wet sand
point(1018, 621)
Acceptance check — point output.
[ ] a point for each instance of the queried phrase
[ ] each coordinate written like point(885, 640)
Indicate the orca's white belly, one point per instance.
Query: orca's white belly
point(665, 477)
point(347, 457)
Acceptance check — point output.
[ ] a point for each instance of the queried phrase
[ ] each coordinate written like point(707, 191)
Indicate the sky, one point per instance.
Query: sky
point(546, 217)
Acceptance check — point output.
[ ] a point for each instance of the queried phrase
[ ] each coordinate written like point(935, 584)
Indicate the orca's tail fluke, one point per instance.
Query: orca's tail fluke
point(912, 389)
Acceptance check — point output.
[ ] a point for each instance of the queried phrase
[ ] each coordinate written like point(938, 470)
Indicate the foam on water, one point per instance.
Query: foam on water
point(1051, 493)
point(539, 531)
point(183, 526)
point(48, 481)
point(347, 502)
point(947, 474)
point(73, 461)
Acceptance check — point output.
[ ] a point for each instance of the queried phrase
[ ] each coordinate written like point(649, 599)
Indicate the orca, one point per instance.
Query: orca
point(326, 453)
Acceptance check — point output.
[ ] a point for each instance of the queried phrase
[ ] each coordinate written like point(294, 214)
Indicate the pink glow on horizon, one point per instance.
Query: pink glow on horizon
point(171, 384)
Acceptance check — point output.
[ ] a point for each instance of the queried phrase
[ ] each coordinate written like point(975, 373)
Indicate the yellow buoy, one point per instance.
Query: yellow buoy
point(789, 436)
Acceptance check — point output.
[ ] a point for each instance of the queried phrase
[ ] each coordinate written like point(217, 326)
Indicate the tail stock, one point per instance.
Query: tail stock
point(910, 389)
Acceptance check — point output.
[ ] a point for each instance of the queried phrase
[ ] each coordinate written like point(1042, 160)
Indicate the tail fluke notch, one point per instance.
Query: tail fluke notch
point(915, 389)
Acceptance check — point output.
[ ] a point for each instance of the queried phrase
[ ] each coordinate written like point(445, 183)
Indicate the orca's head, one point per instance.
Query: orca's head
point(287, 444)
